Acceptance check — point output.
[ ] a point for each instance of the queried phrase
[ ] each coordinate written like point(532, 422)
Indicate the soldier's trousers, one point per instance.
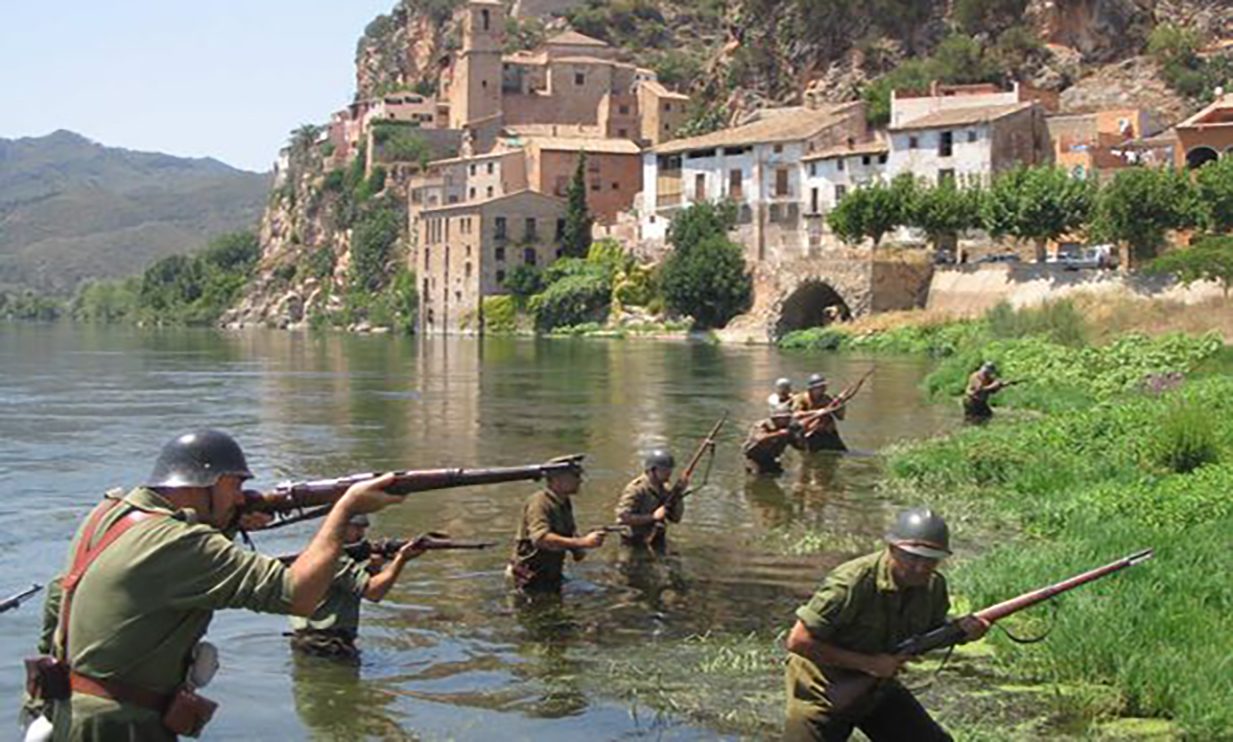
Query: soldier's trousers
point(895, 717)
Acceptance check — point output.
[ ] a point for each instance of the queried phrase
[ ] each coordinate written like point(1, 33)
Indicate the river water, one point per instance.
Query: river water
point(449, 654)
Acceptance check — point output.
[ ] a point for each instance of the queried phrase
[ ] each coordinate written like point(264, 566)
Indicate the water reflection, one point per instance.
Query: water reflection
point(447, 655)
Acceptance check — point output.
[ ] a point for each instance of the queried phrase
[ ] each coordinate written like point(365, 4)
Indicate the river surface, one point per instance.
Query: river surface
point(450, 654)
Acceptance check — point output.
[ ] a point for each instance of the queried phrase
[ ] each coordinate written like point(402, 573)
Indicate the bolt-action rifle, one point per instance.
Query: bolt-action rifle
point(849, 689)
point(292, 502)
point(707, 445)
point(362, 551)
point(13, 601)
point(812, 419)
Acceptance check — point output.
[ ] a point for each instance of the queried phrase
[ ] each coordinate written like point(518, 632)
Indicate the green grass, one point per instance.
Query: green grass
point(1090, 486)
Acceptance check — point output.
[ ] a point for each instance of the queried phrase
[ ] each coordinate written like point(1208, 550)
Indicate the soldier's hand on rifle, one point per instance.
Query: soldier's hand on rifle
point(369, 496)
point(410, 550)
point(255, 521)
point(883, 665)
point(660, 514)
point(974, 627)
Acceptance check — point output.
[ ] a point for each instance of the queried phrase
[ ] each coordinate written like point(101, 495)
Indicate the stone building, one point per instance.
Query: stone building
point(466, 249)
point(1087, 144)
point(830, 174)
point(613, 171)
point(1207, 135)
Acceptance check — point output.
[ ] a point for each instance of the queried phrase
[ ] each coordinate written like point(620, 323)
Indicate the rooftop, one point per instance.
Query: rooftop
point(573, 38)
point(963, 116)
point(658, 89)
point(1218, 113)
point(598, 145)
point(792, 125)
point(478, 203)
point(874, 147)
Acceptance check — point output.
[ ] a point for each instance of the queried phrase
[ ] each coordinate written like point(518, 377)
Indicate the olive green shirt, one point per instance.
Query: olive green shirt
point(978, 388)
point(641, 497)
point(340, 609)
point(149, 597)
point(804, 403)
point(759, 446)
point(545, 512)
point(859, 607)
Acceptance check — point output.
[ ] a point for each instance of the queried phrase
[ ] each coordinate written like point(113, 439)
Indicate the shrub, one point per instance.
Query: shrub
point(1058, 321)
point(573, 299)
point(500, 313)
point(372, 245)
point(707, 281)
point(523, 282)
point(1185, 439)
point(320, 264)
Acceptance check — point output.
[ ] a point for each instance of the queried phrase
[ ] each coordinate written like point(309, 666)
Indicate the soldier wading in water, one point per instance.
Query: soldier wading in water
point(824, 434)
point(982, 384)
point(145, 573)
point(849, 629)
point(332, 630)
point(651, 500)
point(767, 441)
point(547, 530)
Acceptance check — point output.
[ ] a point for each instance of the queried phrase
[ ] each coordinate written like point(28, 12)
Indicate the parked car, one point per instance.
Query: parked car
point(1008, 257)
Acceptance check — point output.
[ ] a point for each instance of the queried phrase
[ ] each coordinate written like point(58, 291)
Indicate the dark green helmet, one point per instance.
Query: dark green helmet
point(816, 380)
point(658, 458)
point(989, 367)
point(922, 532)
point(783, 384)
point(198, 459)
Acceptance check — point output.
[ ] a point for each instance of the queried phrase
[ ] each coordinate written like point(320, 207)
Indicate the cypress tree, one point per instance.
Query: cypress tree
point(576, 237)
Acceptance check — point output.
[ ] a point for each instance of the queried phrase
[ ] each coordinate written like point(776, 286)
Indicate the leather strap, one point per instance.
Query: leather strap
point(119, 692)
point(85, 556)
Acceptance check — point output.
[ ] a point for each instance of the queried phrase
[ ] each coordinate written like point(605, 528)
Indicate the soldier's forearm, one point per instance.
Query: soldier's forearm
point(379, 585)
point(557, 542)
point(634, 519)
point(313, 570)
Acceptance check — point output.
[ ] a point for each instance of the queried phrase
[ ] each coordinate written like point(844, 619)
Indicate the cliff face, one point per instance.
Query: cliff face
point(401, 50)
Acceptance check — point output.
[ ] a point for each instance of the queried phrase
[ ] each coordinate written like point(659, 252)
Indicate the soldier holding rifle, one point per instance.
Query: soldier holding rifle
point(982, 384)
point(332, 630)
point(767, 441)
point(822, 433)
point(651, 499)
point(850, 628)
point(145, 573)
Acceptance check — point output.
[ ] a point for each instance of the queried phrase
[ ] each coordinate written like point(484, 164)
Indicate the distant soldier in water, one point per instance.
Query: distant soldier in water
point(982, 384)
point(650, 500)
point(782, 394)
point(767, 441)
point(332, 630)
point(823, 434)
point(547, 530)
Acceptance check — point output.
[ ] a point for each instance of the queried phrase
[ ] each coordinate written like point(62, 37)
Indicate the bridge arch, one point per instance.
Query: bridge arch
point(1200, 156)
point(813, 302)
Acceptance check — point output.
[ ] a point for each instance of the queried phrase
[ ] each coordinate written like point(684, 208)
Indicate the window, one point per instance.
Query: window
point(499, 254)
point(839, 164)
point(561, 185)
point(529, 233)
point(667, 128)
point(500, 228)
point(528, 255)
point(491, 168)
point(466, 270)
point(813, 200)
point(813, 169)
point(866, 159)
point(623, 133)
point(734, 183)
point(484, 20)
point(913, 142)
point(777, 149)
point(596, 185)
point(700, 187)
point(624, 110)
point(473, 168)
point(500, 277)
point(882, 159)
point(489, 191)
point(971, 135)
point(580, 78)
point(560, 229)
point(484, 84)
point(616, 186)
point(946, 144)
point(781, 182)
point(946, 176)
point(840, 192)
point(472, 192)
point(427, 256)
point(774, 213)
point(667, 109)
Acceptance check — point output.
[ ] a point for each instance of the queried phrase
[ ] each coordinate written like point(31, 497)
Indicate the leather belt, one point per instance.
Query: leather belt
point(119, 692)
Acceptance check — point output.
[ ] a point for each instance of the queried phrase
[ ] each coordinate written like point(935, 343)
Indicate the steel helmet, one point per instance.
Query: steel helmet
point(658, 458)
point(783, 383)
point(989, 367)
point(781, 410)
point(922, 532)
point(816, 380)
point(198, 459)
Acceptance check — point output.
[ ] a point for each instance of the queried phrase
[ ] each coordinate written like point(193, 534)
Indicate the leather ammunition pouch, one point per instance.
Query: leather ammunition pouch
point(188, 713)
point(47, 678)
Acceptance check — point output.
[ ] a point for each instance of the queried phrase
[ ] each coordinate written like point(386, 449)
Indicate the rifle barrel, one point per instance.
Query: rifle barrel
point(13, 601)
point(1026, 600)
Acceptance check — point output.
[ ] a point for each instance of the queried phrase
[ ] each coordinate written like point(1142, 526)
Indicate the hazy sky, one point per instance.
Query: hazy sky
point(222, 78)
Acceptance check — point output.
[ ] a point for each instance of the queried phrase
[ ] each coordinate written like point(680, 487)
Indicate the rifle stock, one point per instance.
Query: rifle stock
point(848, 689)
point(288, 501)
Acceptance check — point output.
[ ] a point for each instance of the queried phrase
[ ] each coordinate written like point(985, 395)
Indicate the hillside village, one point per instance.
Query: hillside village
point(484, 163)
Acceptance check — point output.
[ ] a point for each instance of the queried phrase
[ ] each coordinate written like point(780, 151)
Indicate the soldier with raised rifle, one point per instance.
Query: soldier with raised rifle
point(982, 384)
point(651, 499)
point(145, 573)
point(332, 630)
point(849, 630)
point(821, 434)
point(547, 531)
point(768, 439)
point(782, 394)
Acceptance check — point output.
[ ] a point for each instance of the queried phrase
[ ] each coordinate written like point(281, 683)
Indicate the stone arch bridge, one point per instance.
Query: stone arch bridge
point(813, 292)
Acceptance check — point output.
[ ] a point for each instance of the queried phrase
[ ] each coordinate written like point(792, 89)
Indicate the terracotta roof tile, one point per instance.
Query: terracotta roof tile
point(963, 116)
point(793, 125)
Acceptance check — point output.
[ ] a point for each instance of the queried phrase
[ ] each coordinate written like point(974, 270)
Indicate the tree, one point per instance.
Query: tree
point(304, 138)
point(1209, 259)
point(872, 211)
point(1214, 187)
point(372, 245)
point(576, 237)
point(1038, 204)
point(1141, 204)
point(705, 276)
point(945, 210)
point(523, 282)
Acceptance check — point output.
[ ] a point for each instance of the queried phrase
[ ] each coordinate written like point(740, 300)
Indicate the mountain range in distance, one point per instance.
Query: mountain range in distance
point(72, 210)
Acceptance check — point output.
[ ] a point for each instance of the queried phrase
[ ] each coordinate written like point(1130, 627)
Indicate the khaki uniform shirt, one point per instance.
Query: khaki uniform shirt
point(145, 602)
point(859, 607)
point(545, 512)
point(758, 447)
point(976, 389)
point(340, 610)
point(641, 497)
point(803, 403)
